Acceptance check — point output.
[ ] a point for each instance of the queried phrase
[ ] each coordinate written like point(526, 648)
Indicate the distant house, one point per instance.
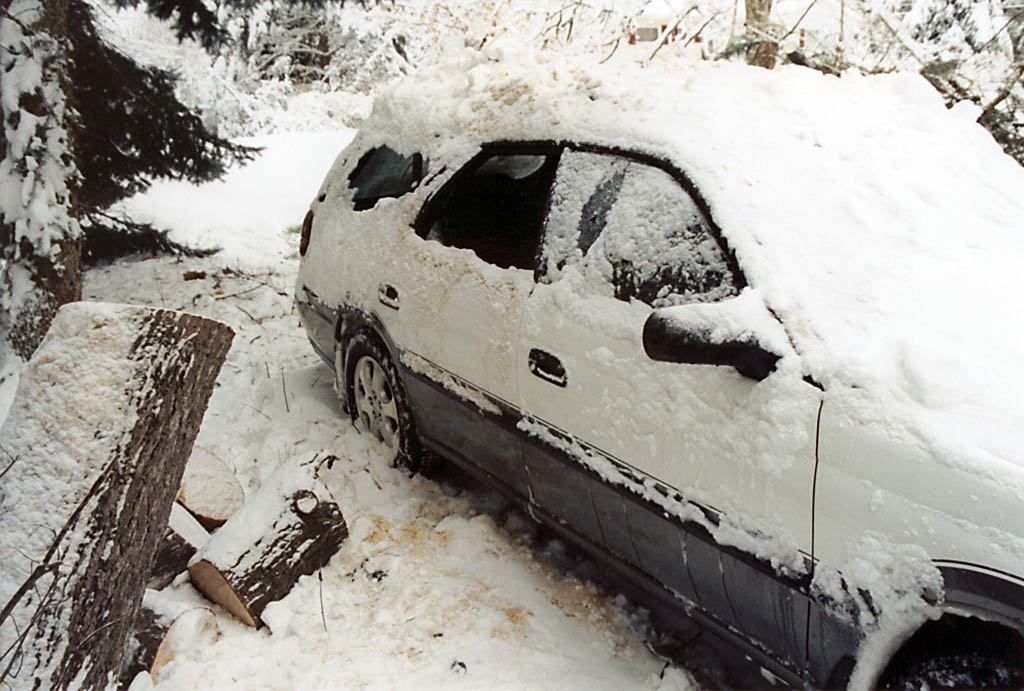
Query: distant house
point(657, 17)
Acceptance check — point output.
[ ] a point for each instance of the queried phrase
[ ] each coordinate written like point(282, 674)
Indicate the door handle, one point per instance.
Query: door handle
point(548, 367)
point(388, 295)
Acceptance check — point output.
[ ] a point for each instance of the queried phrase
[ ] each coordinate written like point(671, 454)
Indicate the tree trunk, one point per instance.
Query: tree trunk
point(289, 528)
point(40, 254)
point(758, 12)
point(55, 282)
point(763, 49)
point(96, 442)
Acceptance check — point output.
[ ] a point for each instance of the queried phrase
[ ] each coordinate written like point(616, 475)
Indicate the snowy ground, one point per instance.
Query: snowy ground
point(437, 585)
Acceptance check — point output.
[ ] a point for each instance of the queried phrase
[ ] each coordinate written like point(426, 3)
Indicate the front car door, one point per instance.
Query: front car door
point(697, 475)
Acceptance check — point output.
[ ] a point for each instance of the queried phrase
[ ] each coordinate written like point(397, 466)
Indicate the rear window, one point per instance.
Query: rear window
point(631, 231)
point(381, 172)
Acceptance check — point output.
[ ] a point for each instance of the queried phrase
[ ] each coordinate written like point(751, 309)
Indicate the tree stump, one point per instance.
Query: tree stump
point(289, 528)
point(184, 535)
point(93, 450)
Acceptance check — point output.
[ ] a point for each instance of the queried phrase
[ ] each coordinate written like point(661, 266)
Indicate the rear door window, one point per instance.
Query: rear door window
point(495, 207)
point(382, 172)
point(631, 231)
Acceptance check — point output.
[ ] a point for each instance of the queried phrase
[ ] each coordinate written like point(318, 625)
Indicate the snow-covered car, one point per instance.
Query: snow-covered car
point(751, 337)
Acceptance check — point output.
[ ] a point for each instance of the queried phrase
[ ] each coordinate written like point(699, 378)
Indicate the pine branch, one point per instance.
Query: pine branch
point(131, 127)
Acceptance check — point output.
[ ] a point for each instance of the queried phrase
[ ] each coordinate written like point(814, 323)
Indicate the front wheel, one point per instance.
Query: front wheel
point(377, 403)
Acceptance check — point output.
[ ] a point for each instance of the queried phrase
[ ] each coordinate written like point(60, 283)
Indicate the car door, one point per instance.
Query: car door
point(682, 470)
point(453, 299)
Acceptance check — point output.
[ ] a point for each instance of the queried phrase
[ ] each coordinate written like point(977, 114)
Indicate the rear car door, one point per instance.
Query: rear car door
point(649, 458)
point(453, 300)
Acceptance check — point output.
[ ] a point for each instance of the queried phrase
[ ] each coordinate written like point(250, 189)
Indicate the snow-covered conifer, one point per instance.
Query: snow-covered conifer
point(39, 236)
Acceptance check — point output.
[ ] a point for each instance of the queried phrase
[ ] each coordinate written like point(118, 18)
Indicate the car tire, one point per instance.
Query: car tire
point(377, 402)
point(972, 669)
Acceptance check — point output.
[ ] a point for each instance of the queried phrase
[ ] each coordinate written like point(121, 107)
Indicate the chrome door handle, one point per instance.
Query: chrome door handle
point(546, 366)
point(388, 295)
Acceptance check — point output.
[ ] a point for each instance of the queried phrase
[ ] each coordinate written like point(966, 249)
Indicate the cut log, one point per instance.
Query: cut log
point(95, 444)
point(289, 528)
point(163, 626)
point(140, 649)
point(153, 619)
point(209, 489)
point(195, 628)
point(184, 535)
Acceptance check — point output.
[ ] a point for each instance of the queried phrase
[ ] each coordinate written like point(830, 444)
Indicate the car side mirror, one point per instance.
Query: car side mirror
point(724, 333)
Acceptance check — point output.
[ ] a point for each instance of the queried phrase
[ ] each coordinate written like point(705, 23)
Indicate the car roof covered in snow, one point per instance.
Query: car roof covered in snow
point(885, 230)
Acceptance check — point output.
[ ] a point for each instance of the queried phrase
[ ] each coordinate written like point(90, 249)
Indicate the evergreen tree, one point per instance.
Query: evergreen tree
point(128, 131)
point(82, 126)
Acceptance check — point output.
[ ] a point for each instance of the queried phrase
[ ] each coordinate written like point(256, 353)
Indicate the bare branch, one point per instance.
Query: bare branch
point(614, 48)
point(7, 15)
point(1011, 20)
point(668, 32)
point(13, 459)
point(794, 27)
point(1004, 92)
point(899, 38)
point(15, 647)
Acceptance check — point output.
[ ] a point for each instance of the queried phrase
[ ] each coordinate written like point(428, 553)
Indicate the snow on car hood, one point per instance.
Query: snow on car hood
point(883, 229)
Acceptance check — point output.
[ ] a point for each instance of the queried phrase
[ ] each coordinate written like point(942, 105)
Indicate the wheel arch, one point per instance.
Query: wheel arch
point(352, 320)
point(363, 333)
point(988, 593)
point(983, 610)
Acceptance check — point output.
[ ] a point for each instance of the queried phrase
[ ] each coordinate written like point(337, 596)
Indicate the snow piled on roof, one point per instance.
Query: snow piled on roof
point(883, 229)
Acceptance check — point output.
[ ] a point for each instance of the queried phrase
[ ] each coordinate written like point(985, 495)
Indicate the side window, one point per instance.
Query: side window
point(381, 173)
point(495, 207)
point(630, 231)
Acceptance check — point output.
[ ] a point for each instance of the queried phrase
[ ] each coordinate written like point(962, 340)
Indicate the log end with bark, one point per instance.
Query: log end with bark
point(163, 628)
point(209, 489)
point(289, 528)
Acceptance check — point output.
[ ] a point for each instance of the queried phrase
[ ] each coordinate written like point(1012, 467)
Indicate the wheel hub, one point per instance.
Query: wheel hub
point(374, 402)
